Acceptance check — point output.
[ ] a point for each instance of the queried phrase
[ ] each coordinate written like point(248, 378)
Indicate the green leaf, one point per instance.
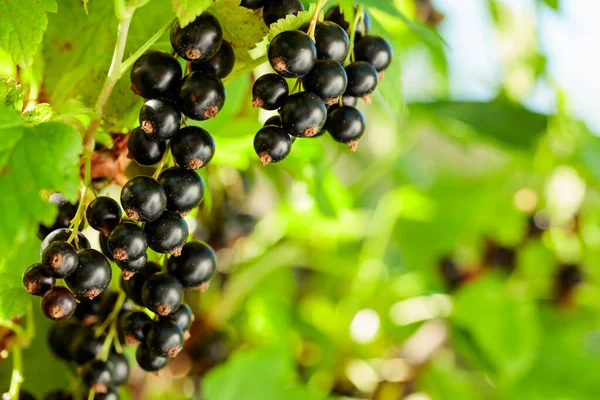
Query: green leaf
point(11, 94)
point(385, 6)
point(390, 86)
point(13, 297)
point(23, 24)
point(50, 6)
point(554, 4)
point(40, 113)
point(188, 10)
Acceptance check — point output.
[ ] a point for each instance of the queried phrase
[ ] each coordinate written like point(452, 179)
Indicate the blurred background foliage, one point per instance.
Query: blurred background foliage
point(452, 257)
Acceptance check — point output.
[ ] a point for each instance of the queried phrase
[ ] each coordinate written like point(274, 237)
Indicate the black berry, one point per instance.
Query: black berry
point(202, 96)
point(349, 101)
point(200, 40)
point(165, 338)
point(66, 212)
point(362, 79)
point(37, 280)
point(58, 303)
point(167, 234)
point(62, 235)
point(92, 276)
point(85, 346)
point(374, 50)
point(159, 119)
point(97, 375)
point(127, 242)
point(149, 361)
point(272, 144)
point(111, 394)
point(103, 214)
point(60, 337)
point(346, 125)
point(334, 14)
point(184, 189)
point(195, 266)
point(104, 247)
point(275, 10)
point(253, 4)
point(120, 368)
point(162, 293)
point(303, 115)
point(130, 268)
point(292, 54)
point(332, 41)
point(133, 286)
point(221, 64)
point(327, 80)
point(143, 199)
point(270, 91)
point(275, 120)
point(60, 259)
point(193, 147)
point(182, 317)
point(156, 74)
point(143, 150)
point(133, 327)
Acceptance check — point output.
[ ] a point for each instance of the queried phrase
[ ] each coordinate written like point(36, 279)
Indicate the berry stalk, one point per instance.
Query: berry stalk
point(17, 370)
point(358, 18)
point(315, 19)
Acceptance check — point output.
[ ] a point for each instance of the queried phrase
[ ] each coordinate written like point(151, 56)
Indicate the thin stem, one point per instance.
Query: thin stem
point(76, 221)
point(315, 19)
point(163, 161)
point(17, 373)
point(358, 17)
point(16, 328)
point(113, 314)
point(91, 394)
point(105, 349)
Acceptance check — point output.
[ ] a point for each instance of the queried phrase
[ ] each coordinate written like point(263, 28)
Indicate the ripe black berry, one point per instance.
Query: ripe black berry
point(374, 50)
point(193, 147)
point(270, 91)
point(334, 14)
point(60, 259)
point(66, 212)
point(272, 144)
point(327, 80)
point(149, 361)
point(133, 286)
point(253, 4)
point(130, 268)
point(162, 293)
point(37, 280)
point(85, 346)
point(103, 214)
point(184, 189)
point(127, 242)
point(167, 234)
point(275, 120)
point(143, 150)
point(275, 10)
point(292, 54)
point(111, 394)
point(349, 101)
point(200, 40)
point(60, 337)
point(120, 368)
point(62, 235)
point(156, 74)
point(58, 303)
point(97, 375)
point(133, 327)
point(92, 276)
point(195, 266)
point(346, 125)
point(104, 247)
point(221, 64)
point(303, 115)
point(143, 199)
point(182, 317)
point(165, 338)
point(362, 79)
point(159, 119)
point(332, 41)
point(202, 96)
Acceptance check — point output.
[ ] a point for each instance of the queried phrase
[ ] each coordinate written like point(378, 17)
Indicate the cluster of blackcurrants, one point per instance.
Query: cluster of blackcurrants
point(329, 91)
point(274, 10)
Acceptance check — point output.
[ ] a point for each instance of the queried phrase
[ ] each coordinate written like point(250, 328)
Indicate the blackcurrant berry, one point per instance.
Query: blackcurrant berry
point(195, 266)
point(120, 368)
point(162, 293)
point(133, 286)
point(89, 311)
point(375, 50)
point(275, 10)
point(202, 96)
point(362, 79)
point(37, 280)
point(292, 54)
point(349, 101)
point(156, 74)
point(85, 346)
point(111, 394)
point(127, 242)
point(193, 147)
point(253, 4)
point(143, 150)
point(133, 327)
point(275, 120)
point(184, 189)
point(62, 235)
point(334, 14)
point(332, 41)
point(58, 303)
point(167, 234)
point(92, 276)
point(221, 64)
point(66, 212)
point(143, 199)
point(97, 375)
point(165, 338)
point(272, 144)
point(270, 91)
point(60, 259)
point(60, 337)
point(130, 268)
point(200, 40)
point(104, 247)
point(327, 80)
point(149, 361)
point(103, 214)
point(159, 119)
point(303, 115)
point(182, 317)
point(346, 125)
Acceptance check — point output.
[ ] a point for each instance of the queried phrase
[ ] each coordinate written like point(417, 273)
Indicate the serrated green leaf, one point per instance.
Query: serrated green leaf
point(50, 6)
point(40, 113)
point(23, 24)
point(11, 94)
point(188, 10)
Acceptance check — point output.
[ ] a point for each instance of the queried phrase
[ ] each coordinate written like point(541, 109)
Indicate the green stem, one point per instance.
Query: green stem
point(17, 373)
point(315, 19)
point(105, 349)
point(163, 161)
point(245, 69)
point(16, 328)
point(358, 17)
point(76, 221)
point(113, 314)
